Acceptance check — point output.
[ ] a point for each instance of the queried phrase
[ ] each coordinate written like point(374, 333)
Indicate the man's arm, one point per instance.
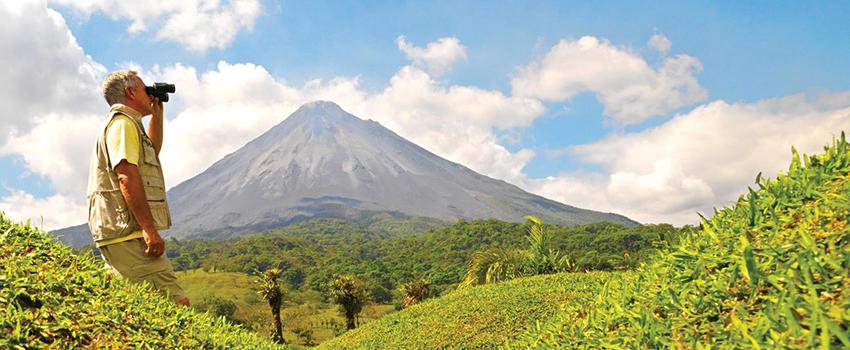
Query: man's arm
point(134, 194)
point(155, 125)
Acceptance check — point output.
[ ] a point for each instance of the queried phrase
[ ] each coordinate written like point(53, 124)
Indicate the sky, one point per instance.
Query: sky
point(655, 110)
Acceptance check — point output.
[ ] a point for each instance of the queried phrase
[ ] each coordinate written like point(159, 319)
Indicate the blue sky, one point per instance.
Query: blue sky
point(748, 52)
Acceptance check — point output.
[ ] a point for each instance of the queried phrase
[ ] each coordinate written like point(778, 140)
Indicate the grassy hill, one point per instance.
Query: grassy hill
point(482, 317)
point(770, 271)
point(50, 297)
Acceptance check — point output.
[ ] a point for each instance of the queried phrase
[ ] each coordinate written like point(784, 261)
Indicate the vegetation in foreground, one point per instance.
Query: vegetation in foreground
point(770, 271)
point(51, 297)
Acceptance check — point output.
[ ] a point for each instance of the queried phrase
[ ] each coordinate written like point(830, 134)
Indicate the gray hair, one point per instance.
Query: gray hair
point(114, 84)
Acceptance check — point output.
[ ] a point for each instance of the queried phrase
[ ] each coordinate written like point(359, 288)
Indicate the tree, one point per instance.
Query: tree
point(348, 292)
point(271, 292)
point(494, 265)
point(415, 291)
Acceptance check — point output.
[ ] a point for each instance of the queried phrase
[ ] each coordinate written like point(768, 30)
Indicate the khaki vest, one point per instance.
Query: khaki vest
point(109, 215)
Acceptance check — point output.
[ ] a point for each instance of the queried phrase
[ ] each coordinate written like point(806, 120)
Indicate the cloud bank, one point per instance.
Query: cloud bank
point(701, 159)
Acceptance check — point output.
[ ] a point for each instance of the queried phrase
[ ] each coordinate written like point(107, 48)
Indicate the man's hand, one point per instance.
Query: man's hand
point(156, 246)
point(134, 194)
point(155, 125)
point(156, 107)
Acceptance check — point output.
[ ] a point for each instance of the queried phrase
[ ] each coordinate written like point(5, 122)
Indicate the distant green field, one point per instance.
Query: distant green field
point(304, 310)
point(482, 317)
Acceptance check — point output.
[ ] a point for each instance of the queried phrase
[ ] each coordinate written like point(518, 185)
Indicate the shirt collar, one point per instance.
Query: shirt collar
point(132, 113)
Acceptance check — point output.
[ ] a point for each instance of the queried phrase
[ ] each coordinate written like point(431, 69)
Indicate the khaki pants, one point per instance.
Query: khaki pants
point(128, 259)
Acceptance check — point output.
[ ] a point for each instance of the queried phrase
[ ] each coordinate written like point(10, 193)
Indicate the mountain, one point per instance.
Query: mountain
point(324, 162)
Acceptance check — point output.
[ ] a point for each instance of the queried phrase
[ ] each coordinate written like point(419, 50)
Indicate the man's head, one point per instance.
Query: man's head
point(125, 87)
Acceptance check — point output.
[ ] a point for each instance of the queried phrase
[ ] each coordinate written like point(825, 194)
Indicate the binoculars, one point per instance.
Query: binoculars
point(160, 90)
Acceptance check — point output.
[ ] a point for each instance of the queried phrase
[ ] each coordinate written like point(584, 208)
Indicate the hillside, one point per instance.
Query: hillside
point(50, 297)
point(770, 271)
point(482, 317)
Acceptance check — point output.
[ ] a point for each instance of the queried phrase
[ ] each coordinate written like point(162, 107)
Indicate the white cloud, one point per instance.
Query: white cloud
point(455, 122)
point(660, 43)
point(50, 74)
point(630, 90)
point(437, 57)
point(198, 24)
point(58, 147)
point(49, 213)
point(702, 159)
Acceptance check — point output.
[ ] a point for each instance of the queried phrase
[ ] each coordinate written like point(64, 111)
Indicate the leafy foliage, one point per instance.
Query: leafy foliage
point(217, 306)
point(770, 271)
point(347, 291)
point(497, 264)
point(52, 298)
point(271, 292)
point(415, 291)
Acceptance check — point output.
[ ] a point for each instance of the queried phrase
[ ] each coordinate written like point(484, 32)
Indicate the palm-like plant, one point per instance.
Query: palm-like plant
point(497, 264)
point(348, 292)
point(494, 265)
point(541, 258)
point(270, 291)
point(415, 291)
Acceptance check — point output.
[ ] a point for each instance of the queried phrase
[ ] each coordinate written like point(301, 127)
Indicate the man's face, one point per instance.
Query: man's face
point(138, 98)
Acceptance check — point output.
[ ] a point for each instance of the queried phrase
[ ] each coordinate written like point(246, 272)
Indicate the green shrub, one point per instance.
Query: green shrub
point(50, 297)
point(770, 271)
point(218, 306)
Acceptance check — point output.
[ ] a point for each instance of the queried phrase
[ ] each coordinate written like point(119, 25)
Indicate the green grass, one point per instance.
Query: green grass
point(481, 317)
point(52, 298)
point(302, 309)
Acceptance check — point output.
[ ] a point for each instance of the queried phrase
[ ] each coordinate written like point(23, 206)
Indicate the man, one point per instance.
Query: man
point(126, 190)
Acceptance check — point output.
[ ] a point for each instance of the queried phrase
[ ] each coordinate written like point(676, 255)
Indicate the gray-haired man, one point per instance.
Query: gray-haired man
point(126, 190)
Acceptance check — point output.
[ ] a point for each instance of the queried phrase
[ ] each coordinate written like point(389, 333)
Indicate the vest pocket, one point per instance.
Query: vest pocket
point(150, 152)
point(109, 216)
point(161, 215)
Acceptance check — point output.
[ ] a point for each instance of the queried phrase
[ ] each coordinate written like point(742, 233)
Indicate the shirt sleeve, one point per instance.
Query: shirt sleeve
point(122, 141)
